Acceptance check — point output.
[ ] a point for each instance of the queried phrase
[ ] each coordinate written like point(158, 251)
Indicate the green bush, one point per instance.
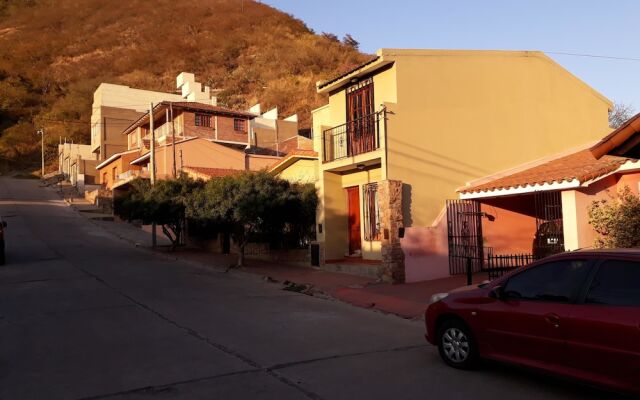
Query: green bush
point(163, 203)
point(251, 206)
point(254, 204)
point(617, 220)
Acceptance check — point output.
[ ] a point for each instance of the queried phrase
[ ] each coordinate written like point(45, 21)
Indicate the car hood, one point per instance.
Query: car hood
point(464, 288)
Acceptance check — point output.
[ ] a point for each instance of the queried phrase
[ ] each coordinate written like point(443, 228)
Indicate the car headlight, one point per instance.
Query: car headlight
point(438, 296)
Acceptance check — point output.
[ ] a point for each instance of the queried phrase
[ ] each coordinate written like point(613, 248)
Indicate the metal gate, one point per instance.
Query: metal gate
point(464, 227)
point(549, 238)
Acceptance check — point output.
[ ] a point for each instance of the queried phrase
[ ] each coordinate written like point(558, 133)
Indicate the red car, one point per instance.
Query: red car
point(575, 314)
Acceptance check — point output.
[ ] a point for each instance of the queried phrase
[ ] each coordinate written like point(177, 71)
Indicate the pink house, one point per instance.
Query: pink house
point(541, 208)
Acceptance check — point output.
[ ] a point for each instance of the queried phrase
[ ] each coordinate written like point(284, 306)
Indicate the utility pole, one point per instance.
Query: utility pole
point(173, 140)
point(152, 157)
point(165, 170)
point(152, 165)
point(41, 133)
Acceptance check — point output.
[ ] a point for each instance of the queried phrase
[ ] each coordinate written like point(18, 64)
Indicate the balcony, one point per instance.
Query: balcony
point(359, 136)
point(130, 175)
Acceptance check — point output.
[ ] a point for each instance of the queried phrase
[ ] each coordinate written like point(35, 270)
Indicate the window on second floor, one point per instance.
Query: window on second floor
point(239, 125)
point(203, 120)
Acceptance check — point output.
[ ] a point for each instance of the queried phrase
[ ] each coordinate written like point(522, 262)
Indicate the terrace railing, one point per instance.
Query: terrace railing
point(358, 136)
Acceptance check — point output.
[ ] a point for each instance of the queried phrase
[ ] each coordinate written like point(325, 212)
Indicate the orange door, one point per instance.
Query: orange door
point(353, 200)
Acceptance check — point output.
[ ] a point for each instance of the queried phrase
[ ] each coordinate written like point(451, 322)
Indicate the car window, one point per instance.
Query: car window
point(555, 281)
point(616, 283)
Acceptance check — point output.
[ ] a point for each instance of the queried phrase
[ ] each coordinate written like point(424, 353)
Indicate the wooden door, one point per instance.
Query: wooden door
point(360, 118)
point(353, 201)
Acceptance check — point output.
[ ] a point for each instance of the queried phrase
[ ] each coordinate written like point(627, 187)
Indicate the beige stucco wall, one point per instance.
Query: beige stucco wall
point(197, 153)
point(121, 105)
point(464, 115)
point(301, 171)
point(332, 215)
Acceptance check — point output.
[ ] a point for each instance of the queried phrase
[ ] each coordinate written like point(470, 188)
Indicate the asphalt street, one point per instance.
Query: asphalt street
point(85, 315)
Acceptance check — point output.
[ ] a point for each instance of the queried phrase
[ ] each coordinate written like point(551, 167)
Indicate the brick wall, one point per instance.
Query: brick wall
point(191, 129)
point(227, 132)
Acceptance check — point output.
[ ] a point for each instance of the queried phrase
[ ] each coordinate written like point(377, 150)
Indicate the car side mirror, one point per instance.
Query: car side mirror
point(497, 293)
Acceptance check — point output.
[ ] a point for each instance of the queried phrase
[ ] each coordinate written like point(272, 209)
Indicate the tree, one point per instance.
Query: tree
point(301, 215)
point(329, 36)
point(163, 203)
point(620, 114)
point(350, 41)
point(617, 220)
point(251, 203)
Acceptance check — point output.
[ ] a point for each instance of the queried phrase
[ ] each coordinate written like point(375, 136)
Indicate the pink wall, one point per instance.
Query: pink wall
point(426, 249)
point(514, 227)
point(631, 179)
point(426, 252)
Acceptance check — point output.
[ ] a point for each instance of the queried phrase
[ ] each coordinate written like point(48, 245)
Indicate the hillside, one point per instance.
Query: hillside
point(55, 53)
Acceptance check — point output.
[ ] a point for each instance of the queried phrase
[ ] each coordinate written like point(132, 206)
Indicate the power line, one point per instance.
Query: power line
point(593, 56)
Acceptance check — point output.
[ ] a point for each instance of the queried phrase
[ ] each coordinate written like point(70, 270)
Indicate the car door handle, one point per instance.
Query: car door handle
point(553, 319)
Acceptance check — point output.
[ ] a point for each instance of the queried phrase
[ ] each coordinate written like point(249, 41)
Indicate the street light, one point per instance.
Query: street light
point(41, 133)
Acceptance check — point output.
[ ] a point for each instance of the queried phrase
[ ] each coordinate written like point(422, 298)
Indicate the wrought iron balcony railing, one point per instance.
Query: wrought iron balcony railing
point(359, 136)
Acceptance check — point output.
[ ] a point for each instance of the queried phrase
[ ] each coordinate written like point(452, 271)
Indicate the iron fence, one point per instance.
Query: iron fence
point(464, 228)
point(497, 265)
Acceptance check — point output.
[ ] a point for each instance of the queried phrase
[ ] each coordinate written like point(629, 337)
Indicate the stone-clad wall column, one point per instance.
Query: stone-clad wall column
point(390, 204)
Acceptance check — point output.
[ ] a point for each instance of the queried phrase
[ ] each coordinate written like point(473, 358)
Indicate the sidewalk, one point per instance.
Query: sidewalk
point(406, 300)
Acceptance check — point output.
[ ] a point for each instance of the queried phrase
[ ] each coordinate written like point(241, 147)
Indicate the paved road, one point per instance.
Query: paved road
point(85, 315)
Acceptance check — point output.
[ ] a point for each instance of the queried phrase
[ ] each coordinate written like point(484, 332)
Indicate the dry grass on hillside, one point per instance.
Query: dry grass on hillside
point(55, 53)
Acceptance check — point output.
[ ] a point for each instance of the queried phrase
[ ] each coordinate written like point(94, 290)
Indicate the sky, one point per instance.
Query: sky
point(588, 27)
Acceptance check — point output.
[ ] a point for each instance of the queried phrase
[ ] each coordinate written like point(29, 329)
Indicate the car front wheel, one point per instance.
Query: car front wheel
point(456, 345)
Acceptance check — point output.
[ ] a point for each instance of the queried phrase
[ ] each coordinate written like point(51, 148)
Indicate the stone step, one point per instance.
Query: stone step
point(351, 268)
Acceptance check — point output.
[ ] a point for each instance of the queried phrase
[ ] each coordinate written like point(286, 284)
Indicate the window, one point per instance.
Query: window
point(555, 281)
point(371, 212)
point(239, 125)
point(203, 120)
point(360, 100)
point(617, 283)
point(114, 174)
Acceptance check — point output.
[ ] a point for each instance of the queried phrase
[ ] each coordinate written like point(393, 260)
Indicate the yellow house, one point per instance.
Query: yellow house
point(403, 131)
point(299, 166)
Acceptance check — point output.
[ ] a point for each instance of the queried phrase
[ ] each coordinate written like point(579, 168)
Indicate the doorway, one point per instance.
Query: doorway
point(360, 118)
point(353, 204)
